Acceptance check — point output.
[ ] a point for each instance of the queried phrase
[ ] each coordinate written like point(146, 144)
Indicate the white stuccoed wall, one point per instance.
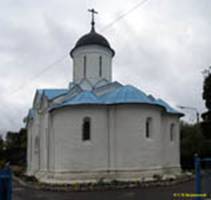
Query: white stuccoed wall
point(170, 149)
point(92, 53)
point(118, 148)
point(73, 154)
point(43, 134)
point(38, 127)
point(33, 132)
point(133, 149)
point(43, 141)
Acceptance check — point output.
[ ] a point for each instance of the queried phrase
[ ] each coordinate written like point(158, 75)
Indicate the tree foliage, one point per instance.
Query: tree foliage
point(14, 147)
point(1, 146)
point(192, 141)
point(206, 95)
point(207, 88)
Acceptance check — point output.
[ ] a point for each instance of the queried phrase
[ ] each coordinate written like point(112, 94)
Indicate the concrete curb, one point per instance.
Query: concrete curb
point(24, 183)
point(103, 187)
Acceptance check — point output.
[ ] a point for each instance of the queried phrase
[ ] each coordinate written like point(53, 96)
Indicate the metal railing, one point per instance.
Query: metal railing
point(202, 177)
point(6, 184)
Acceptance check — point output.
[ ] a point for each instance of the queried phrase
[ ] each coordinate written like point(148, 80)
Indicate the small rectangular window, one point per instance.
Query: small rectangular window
point(86, 129)
point(100, 66)
point(148, 127)
point(172, 132)
point(84, 66)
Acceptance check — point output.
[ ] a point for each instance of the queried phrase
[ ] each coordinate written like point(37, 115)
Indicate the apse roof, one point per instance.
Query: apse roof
point(124, 95)
point(85, 97)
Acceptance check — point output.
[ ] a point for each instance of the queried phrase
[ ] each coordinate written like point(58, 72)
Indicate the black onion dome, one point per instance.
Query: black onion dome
point(92, 38)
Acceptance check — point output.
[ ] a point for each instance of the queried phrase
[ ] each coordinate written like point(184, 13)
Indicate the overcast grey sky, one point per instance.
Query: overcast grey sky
point(161, 47)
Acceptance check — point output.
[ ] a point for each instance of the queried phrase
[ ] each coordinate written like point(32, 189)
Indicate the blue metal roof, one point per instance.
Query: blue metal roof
point(53, 93)
point(123, 95)
point(169, 109)
point(86, 97)
point(126, 94)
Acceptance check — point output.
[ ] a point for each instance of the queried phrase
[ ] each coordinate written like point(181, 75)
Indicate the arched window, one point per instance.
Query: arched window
point(84, 66)
point(148, 127)
point(100, 66)
point(86, 129)
point(172, 132)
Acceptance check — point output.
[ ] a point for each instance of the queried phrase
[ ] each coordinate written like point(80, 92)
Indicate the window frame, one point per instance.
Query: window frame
point(172, 132)
point(84, 66)
point(148, 127)
point(86, 129)
point(100, 66)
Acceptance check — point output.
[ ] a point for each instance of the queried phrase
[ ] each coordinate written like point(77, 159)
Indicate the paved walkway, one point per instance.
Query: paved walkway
point(154, 193)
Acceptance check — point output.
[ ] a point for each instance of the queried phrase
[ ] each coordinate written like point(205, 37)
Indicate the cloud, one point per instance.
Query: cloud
point(161, 47)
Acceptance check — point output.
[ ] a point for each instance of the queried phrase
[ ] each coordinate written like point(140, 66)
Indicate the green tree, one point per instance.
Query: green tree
point(1, 143)
point(15, 147)
point(1, 147)
point(191, 142)
point(2, 156)
point(206, 95)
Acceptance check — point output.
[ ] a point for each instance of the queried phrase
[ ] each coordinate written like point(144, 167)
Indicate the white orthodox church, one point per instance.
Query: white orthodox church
point(99, 128)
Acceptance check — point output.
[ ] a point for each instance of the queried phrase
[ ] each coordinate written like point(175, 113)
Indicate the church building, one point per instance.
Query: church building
point(98, 128)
